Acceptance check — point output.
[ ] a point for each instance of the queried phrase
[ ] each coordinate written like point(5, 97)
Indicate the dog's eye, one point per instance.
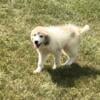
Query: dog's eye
point(34, 34)
point(41, 36)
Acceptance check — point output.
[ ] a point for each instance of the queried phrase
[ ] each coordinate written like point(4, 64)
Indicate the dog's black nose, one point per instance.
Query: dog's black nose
point(36, 42)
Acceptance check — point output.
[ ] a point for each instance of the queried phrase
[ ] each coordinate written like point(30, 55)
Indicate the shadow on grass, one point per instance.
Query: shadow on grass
point(64, 76)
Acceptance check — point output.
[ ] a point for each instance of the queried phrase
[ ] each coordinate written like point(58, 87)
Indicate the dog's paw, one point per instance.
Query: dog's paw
point(38, 70)
point(54, 67)
point(69, 62)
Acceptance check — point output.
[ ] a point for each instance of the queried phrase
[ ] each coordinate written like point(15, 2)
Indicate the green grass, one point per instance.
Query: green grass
point(18, 59)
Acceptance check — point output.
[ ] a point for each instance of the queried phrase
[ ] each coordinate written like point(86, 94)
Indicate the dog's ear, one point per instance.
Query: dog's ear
point(47, 40)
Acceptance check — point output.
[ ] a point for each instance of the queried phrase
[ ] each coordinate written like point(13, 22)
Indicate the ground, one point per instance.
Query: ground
point(18, 59)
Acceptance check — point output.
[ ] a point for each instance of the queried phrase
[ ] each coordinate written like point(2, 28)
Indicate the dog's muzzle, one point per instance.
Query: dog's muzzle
point(37, 44)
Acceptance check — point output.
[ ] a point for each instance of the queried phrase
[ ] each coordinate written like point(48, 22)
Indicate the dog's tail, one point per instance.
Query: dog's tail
point(85, 29)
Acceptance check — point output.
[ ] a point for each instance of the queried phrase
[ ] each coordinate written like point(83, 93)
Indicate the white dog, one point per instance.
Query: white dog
point(55, 40)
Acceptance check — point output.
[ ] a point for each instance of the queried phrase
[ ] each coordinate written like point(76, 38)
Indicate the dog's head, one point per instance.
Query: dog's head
point(39, 37)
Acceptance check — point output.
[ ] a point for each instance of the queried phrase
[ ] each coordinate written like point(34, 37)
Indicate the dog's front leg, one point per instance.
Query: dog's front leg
point(41, 61)
point(56, 59)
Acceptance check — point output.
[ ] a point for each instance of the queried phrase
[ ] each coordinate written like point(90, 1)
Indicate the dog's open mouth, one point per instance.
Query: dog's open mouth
point(37, 45)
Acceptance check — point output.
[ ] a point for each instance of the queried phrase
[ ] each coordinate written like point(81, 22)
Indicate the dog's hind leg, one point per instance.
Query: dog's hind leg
point(72, 55)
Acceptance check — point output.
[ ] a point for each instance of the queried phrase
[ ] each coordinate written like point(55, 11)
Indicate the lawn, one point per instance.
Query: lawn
point(18, 59)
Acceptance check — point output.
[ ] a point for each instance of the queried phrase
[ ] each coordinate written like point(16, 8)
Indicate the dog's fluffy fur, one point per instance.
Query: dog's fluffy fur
point(57, 40)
